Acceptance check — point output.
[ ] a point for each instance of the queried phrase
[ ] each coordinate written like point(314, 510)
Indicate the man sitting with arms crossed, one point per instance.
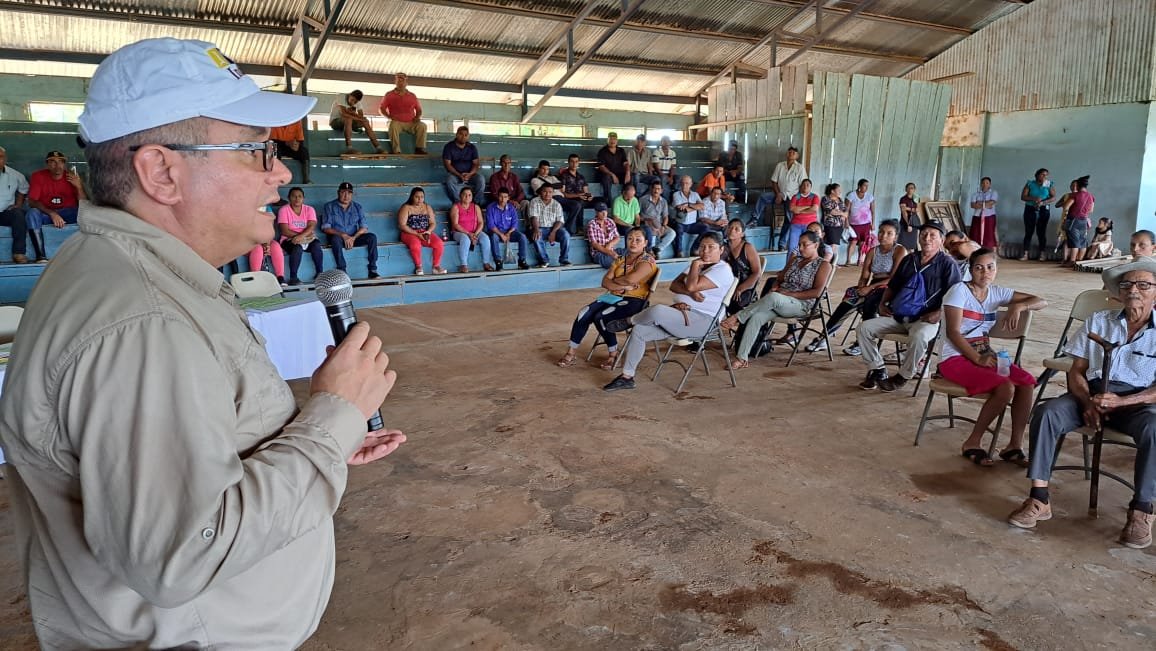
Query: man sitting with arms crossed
point(698, 295)
point(54, 195)
point(1125, 401)
point(167, 491)
point(910, 305)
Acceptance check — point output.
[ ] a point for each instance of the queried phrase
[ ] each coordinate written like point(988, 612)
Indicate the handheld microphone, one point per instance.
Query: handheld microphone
point(335, 291)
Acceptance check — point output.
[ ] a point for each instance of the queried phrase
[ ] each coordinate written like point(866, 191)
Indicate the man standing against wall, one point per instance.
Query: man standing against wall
point(785, 182)
point(404, 112)
point(167, 491)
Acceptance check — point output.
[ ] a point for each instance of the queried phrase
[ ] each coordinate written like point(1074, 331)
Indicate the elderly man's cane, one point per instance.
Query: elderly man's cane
point(1098, 440)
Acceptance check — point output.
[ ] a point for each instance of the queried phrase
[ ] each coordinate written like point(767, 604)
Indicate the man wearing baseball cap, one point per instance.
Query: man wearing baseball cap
point(602, 235)
point(54, 195)
point(167, 491)
point(343, 222)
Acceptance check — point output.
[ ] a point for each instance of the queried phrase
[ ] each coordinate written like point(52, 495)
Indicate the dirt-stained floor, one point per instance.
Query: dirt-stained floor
point(530, 510)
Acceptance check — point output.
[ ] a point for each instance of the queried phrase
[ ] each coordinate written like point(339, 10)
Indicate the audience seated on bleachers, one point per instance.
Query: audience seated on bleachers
point(745, 264)
point(417, 223)
point(462, 162)
point(54, 195)
point(641, 161)
point(575, 194)
point(1120, 401)
point(613, 168)
point(716, 178)
point(468, 228)
point(656, 219)
point(627, 285)
point(687, 204)
point(665, 165)
point(346, 116)
point(1142, 244)
point(712, 218)
point(627, 212)
point(910, 306)
point(290, 141)
point(403, 109)
point(732, 162)
point(866, 296)
point(297, 227)
point(792, 294)
point(967, 359)
point(506, 179)
point(13, 192)
point(602, 236)
point(698, 294)
point(344, 224)
point(547, 226)
point(502, 223)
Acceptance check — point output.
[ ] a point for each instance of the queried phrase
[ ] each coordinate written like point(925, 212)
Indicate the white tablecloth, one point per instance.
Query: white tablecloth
point(296, 334)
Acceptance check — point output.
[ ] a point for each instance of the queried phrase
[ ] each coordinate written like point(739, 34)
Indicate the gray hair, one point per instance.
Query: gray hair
point(111, 175)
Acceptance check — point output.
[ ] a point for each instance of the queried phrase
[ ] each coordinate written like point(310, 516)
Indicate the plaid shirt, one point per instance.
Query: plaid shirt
point(601, 231)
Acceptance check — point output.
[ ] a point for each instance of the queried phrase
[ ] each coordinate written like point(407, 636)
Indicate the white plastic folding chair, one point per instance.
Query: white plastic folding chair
point(9, 322)
point(599, 341)
point(1087, 303)
point(954, 391)
point(713, 333)
point(255, 284)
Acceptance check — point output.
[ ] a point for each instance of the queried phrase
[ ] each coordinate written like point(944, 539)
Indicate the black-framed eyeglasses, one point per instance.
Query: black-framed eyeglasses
point(1142, 285)
point(268, 148)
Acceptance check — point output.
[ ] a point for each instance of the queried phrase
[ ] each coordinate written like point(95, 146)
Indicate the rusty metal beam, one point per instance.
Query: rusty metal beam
point(814, 40)
point(879, 18)
point(565, 36)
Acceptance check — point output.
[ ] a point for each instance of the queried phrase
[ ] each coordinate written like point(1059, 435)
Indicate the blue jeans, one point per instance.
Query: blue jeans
point(515, 236)
point(700, 229)
point(786, 229)
point(793, 236)
point(17, 220)
point(609, 186)
point(740, 183)
point(463, 241)
point(454, 187)
point(368, 240)
point(561, 238)
point(35, 218)
point(597, 314)
point(601, 259)
point(766, 200)
point(642, 182)
point(295, 250)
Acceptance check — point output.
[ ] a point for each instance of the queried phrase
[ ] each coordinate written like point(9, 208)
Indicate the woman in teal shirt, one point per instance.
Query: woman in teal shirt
point(1037, 195)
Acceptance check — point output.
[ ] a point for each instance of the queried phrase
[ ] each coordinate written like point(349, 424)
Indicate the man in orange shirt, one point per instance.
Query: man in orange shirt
point(290, 141)
point(404, 112)
point(715, 179)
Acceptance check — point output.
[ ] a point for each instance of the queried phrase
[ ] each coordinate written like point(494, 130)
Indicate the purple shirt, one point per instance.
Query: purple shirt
point(502, 220)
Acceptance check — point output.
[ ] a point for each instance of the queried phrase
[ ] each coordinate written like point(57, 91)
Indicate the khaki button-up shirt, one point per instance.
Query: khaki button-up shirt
point(165, 489)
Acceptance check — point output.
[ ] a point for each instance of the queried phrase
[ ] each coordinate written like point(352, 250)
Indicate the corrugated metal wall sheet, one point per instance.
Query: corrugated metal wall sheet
point(1053, 54)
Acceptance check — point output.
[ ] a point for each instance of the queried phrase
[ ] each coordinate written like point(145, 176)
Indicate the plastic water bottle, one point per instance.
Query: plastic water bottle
point(1003, 363)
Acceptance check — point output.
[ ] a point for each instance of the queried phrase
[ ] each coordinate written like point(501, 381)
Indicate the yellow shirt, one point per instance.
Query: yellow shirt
point(619, 268)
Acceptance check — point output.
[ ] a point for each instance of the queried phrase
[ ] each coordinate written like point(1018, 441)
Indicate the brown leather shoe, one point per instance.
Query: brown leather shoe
point(1029, 513)
point(1137, 533)
point(19, 258)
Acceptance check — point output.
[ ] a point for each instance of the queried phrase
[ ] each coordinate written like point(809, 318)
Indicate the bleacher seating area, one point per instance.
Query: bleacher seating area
point(381, 186)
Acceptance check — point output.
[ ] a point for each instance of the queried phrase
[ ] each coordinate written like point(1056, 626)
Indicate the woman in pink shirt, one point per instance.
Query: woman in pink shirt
point(468, 227)
point(297, 224)
point(1078, 207)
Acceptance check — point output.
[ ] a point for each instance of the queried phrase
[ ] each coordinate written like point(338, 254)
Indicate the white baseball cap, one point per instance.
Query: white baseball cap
point(159, 81)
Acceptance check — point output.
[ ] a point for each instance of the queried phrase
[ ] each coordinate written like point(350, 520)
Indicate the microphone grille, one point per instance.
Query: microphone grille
point(333, 287)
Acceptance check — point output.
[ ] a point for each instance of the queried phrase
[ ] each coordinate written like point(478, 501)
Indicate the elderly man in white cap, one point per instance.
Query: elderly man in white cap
point(1126, 400)
point(167, 492)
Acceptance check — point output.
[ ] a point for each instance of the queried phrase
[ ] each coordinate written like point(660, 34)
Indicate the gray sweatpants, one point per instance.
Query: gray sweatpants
point(656, 323)
point(920, 332)
point(757, 314)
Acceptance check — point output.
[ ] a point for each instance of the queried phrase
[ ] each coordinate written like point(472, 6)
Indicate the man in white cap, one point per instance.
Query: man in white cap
point(166, 490)
point(1126, 400)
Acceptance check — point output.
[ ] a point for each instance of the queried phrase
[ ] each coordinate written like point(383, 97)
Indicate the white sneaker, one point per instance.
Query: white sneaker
point(816, 346)
point(853, 350)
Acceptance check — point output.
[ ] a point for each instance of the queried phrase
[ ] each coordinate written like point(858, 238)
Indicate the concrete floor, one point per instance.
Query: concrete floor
point(532, 511)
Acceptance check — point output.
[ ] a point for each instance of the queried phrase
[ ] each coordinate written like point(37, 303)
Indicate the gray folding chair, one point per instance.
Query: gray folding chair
point(954, 391)
point(713, 333)
point(804, 323)
point(1092, 468)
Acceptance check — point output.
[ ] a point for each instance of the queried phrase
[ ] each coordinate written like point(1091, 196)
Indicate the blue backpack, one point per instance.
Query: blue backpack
point(910, 301)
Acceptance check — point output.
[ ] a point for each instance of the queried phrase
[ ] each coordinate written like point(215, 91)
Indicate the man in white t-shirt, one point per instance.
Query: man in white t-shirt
point(698, 295)
point(346, 116)
point(785, 182)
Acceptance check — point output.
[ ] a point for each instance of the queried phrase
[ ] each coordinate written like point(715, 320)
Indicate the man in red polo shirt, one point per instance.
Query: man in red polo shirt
point(404, 112)
point(54, 193)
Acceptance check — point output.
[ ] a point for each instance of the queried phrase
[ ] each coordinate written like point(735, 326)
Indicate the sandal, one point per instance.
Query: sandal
point(740, 364)
point(567, 361)
point(978, 456)
point(611, 360)
point(1015, 456)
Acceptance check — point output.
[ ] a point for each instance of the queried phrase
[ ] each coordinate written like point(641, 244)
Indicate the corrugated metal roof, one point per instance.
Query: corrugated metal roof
point(498, 40)
point(1051, 55)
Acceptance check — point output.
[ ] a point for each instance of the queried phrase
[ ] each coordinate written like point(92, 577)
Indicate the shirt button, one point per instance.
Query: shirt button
point(207, 533)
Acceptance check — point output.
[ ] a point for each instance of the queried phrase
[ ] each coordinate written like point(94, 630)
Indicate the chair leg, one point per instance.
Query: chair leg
point(722, 337)
point(923, 418)
point(950, 412)
point(597, 340)
point(1086, 443)
point(795, 348)
point(995, 433)
point(661, 360)
point(690, 367)
point(1042, 381)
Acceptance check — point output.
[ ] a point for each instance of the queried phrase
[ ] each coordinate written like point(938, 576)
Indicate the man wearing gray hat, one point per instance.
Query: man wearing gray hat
point(1125, 401)
point(167, 491)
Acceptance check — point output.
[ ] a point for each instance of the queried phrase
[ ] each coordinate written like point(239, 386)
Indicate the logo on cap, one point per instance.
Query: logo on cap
point(55, 154)
point(224, 62)
point(345, 185)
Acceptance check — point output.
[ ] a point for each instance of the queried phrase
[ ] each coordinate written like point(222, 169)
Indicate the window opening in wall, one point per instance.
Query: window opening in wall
point(54, 111)
point(497, 128)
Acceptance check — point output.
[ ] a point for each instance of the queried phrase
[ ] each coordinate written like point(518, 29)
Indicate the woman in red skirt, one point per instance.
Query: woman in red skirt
point(969, 313)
